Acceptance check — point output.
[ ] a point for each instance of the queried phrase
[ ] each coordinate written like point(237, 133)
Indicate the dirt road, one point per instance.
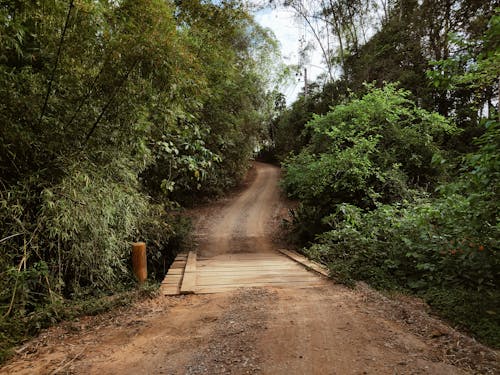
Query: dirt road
point(242, 224)
point(320, 329)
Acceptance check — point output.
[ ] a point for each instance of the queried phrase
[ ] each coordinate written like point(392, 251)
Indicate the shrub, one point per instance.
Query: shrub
point(444, 248)
point(369, 151)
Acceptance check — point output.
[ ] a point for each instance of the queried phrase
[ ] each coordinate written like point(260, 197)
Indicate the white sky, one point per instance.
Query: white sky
point(288, 32)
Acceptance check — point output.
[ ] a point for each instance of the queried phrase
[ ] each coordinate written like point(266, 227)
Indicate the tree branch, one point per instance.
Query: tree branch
point(86, 97)
point(106, 106)
point(52, 75)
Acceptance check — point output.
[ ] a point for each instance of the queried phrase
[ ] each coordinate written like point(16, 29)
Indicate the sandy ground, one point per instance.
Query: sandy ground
point(327, 329)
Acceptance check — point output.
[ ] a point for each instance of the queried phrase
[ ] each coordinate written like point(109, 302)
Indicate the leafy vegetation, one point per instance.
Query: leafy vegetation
point(398, 179)
point(113, 113)
point(447, 245)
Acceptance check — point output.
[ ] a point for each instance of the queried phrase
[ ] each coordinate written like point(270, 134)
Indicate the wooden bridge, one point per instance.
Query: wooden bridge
point(191, 274)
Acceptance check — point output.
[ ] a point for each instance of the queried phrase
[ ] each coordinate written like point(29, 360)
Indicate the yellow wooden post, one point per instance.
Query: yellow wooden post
point(139, 261)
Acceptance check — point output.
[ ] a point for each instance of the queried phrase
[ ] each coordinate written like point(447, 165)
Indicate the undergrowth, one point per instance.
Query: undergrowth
point(380, 202)
point(16, 331)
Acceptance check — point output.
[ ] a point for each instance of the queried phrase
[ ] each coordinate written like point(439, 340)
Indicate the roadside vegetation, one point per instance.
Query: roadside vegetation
point(113, 115)
point(396, 163)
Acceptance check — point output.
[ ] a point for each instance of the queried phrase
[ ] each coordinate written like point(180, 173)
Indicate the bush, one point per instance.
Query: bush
point(69, 243)
point(444, 249)
point(376, 205)
point(413, 246)
point(112, 114)
point(369, 151)
point(90, 218)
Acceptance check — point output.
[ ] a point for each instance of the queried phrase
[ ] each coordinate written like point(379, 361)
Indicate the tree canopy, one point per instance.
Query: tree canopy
point(113, 113)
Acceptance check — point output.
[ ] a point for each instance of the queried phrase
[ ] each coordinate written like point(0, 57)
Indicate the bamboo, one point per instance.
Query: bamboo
point(139, 261)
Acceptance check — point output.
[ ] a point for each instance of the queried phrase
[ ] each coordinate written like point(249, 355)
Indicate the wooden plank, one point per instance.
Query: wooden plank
point(232, 271)
point(172, 280)
point(249, 280)
point(188, 284)
point(171, 292)
point(293, 266)
point(173, 275)
point(260, 284)
point(268, 254)
point(175, 271)
point(276, 255)
point(202, 289)
point(243, 281)
point(178, 264)
point(191, 262)
point(245, 265)
point(251, 272)
point(171, 284)
point(319, 268)
point(256, 276)
point(177, 284)
point(242, 257)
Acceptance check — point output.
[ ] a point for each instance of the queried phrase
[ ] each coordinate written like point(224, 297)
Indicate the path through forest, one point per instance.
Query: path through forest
point(278, 328)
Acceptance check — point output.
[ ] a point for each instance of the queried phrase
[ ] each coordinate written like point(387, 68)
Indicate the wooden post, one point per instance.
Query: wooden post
point(139, 261)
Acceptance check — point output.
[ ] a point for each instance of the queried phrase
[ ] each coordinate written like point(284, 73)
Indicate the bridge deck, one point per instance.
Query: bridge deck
point(238, 270)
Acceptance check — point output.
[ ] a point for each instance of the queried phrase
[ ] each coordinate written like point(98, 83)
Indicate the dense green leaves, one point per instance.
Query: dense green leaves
point(112, 113)
point(390, 191)
point(376, 204)
point(368, 151)
point(447, 245)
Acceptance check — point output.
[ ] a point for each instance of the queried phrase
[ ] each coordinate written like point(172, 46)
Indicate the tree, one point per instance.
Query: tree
point(112, 114)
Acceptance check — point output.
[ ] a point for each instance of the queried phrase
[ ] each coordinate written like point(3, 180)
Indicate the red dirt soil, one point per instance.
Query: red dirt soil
point(325, 329)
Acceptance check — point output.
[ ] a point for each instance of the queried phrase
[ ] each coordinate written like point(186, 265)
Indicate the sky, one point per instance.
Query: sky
point(288, 31)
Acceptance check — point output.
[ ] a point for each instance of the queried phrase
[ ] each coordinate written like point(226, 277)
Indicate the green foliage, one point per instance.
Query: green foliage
point(90, 216)
point(166, 234)
point(390, 191)
point(444, 248)
point(366, 152)
point(112, 115)
point(374, 190)
point(288, 131)
point(476, 63)
point(476, 312)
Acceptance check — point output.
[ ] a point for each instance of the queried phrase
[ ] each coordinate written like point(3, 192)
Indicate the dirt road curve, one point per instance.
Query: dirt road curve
point(322, 329)
point(243, 222)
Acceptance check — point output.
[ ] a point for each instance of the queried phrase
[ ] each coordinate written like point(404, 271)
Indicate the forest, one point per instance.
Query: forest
point(113, 115)
point(393, 153)
point(116, 115)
